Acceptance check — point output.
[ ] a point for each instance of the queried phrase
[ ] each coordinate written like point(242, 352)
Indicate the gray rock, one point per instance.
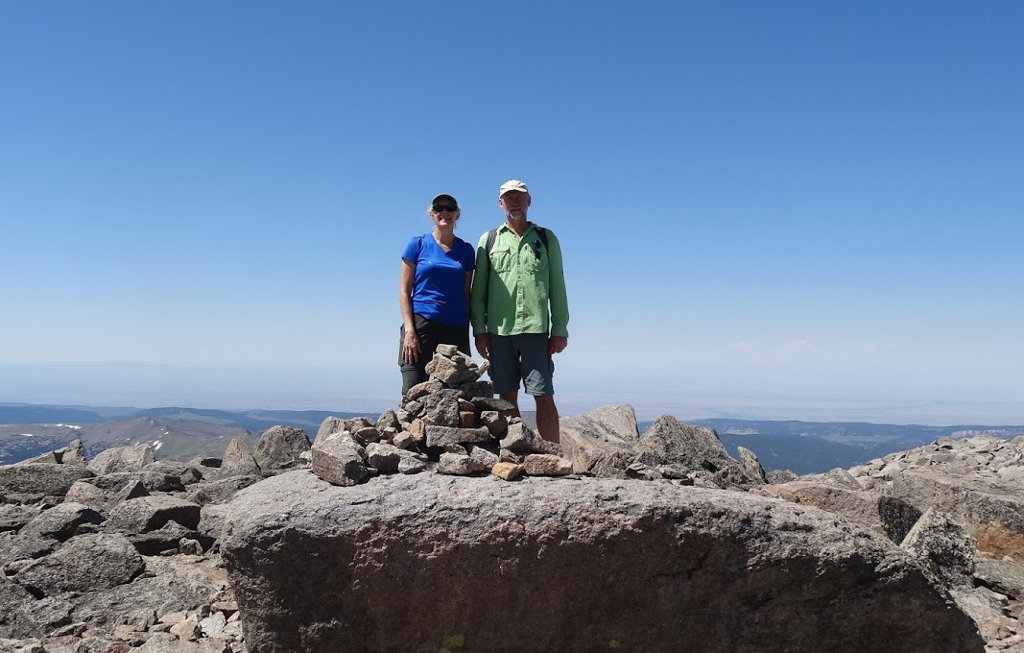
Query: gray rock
point(153, 481)
point(163, 539)
point(280, 447)
point(83, 564)
point(591, 455)
point(73, 454)
point(211, 522)
point(809, 582)
point(483, 456)
point(404, 440)
point(411, 465)
point(151, 513)
point(943, 547)
point(456, 464)
point(696, 447)
point(543, 464)
point(522, 439)
point(451, 371)
point(495, 423)
point(121, 459)
point(897, 517)
point(442, 436)
point(484, 403)
point(841, 478)
point(859, 506)
point(14, 517)
point(220, 491)
point(1006, 576)
point(752, 466)
point(776, 476)
point(610, 424)
point(388, 422)
point(339, 459)
point(473, 389)
point(186, 473)
point(384, 457)
point(37, 618)
point(41, 479)
point(423, 389)
point(441, 408)
point(642, 472)
point(61, 522)
point(238, 459)
point(12, 596)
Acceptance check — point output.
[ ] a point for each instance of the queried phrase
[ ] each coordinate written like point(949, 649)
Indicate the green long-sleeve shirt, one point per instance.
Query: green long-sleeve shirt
point(514, 285)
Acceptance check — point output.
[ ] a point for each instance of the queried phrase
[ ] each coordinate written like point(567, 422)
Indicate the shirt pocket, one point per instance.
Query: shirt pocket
point(501, 259)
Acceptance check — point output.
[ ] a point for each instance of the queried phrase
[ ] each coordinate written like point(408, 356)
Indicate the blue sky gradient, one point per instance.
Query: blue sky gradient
point(796, 209)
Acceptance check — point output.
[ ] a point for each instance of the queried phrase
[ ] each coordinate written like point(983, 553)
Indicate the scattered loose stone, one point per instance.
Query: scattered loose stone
point(542, 464)
point(507, 471)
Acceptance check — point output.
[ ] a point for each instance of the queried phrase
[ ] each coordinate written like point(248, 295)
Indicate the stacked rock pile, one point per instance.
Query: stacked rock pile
point(451, 424)
point(121, 552)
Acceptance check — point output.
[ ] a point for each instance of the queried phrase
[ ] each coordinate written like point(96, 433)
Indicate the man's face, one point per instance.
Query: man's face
point(515, 203)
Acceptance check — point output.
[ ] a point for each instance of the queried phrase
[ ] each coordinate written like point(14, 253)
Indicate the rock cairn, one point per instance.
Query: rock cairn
point(450, 424)
point(121, 553)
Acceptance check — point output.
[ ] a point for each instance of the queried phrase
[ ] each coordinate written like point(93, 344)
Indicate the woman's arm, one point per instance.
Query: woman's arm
point(410, 344)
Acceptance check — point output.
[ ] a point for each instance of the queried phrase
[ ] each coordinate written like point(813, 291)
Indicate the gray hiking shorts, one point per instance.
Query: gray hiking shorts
point(522, 358)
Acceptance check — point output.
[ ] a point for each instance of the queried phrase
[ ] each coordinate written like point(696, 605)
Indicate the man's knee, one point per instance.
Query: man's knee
point(544, 400)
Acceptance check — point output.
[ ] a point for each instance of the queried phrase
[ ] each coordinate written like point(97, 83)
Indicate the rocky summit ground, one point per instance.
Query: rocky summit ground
point(442, 525)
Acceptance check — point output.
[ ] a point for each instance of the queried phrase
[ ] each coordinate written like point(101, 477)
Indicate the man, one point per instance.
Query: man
point(518, 307)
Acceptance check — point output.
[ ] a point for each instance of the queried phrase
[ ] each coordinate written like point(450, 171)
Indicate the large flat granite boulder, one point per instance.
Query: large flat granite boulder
point(432, 563)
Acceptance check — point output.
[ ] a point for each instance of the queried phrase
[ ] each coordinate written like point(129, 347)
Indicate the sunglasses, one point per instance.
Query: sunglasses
point(442, 209)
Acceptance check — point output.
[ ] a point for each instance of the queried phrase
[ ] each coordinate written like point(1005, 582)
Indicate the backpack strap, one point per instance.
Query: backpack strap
point(491, 235)
point(542, 233)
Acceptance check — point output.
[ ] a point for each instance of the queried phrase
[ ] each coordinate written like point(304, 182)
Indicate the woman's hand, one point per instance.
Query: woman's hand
point(410, 346)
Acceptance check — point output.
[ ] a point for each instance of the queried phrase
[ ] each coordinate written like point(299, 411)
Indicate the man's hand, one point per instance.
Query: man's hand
point(557, 344)
point(483, 345)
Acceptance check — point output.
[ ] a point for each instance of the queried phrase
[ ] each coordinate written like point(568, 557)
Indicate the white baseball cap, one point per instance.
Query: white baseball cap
point(513, 184)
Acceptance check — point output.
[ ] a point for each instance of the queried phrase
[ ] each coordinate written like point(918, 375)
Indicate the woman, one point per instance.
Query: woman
point(437, 270)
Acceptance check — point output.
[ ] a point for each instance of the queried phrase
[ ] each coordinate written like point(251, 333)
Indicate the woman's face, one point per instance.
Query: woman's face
point(444, 218)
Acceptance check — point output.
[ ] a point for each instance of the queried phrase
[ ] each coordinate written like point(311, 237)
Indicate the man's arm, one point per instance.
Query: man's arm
point(556, 291)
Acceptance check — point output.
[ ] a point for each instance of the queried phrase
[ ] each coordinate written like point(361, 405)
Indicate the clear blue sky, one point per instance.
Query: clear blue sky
point(797, 209)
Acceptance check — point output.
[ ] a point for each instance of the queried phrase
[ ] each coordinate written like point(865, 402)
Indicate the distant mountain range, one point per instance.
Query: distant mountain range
point(27, 430)
point(178, 433)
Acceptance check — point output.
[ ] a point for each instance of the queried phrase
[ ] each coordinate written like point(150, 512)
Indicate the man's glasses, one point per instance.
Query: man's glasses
point(442, 209)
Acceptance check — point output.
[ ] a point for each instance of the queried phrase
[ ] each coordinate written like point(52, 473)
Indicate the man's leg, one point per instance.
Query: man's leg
point(547, 417)
point(512, 398)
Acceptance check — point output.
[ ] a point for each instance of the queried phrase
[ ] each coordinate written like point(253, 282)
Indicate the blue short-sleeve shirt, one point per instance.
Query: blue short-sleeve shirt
point(439, 288)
